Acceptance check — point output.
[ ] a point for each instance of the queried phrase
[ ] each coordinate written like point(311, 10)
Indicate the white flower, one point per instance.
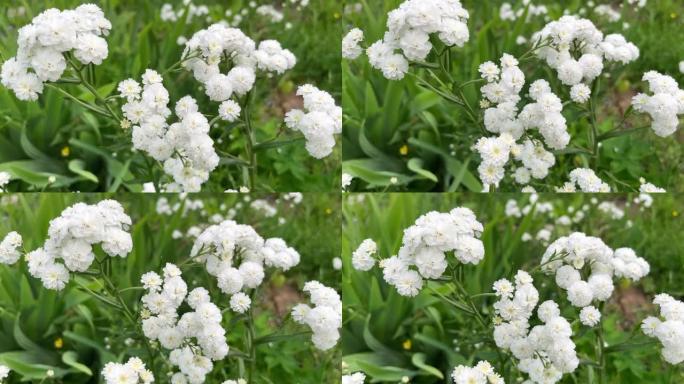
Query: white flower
point(670, 331)
point(4, 372)
point(586, 180)
point(354, 378)
point(42, 44)
point(408, 34)
point(580, 93)
point(71, 237)
point(664, 106)
point(590, 316)
point(350, 44)
point(362, 259)
point(240, 302)
point(320, 120)
point(9, 248)
point(229, 110)
point(132, 372)
point(482, 373)
point(325, 318)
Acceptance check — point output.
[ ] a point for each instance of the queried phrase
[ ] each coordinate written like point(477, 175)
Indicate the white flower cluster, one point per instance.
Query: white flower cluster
point(354, 378)
point(320, 120)
point(664, 106)
point(424, 246)
point(481, 373)
point(9, 248)
point(71, 237)
point(568, 255)
point(586, 180)
point(4, 180)
point(325, 318)
point(351, 48)
point(222, 246)
point(409, 29)
point(546, 351)
point(670, 331)
point(205, 50)
point(161, 322)
point(42, 44)
point(502, 89)
point(571, 36)
point(362, 257)
point(132, 372)
point(184, 147)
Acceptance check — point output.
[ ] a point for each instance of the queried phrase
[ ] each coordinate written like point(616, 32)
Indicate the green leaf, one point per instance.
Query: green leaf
point(70, 358)
point(77, 166)
point(418, 359)
point(29, 345)
point(416, 165)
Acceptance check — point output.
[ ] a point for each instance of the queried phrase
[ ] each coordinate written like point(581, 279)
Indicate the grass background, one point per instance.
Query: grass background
point(398, 129)
point(34, 320)
point(389, 336)
point(84, 152)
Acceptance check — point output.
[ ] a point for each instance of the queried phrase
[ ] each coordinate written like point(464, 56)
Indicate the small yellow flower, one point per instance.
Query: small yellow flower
point(403, 150)
point(59, 343)
point(675, 213)
point(65, 151)
point(673, 15)
point(407, 344)
point(328, 211)
point(337, 15)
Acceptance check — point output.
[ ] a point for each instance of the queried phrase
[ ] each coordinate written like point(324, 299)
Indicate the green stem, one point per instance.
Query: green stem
point(250, 141)
point(600, 355)
point(251, 347)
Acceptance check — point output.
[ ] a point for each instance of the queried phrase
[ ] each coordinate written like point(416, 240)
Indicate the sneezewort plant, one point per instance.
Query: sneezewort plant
point(573, 47)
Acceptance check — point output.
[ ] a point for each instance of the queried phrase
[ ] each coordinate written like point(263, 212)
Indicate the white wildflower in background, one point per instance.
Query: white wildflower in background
point(4, 372)
point(132, 372)
point(194, 338)
point(237, 256)
point(354, 378)
point(351, 48)
point(408, 31)
point(320, 120)
point(324, 318)
point(649, 188)
point(545, 352)
point(71, 237)
point(337, 264)
point(670, 329)
point(586, 180)
point(4, 180)
point(346, 180)
point(184, 147)
point(569, 255)
point(424, 247)
point(607, 11)
point(269, 11)
point(169, 14)
point(664, 106)
point(681, 66)
point(362, 257)
point(41, 46)
point(482, 373)
point(9, 248)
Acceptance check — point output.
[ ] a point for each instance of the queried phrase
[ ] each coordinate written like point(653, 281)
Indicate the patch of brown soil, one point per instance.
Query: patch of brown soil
point(281, 299)
point(631, 302)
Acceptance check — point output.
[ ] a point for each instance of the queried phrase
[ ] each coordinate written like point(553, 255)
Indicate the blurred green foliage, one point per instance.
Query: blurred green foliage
point(388, 336)
point(74, 334)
